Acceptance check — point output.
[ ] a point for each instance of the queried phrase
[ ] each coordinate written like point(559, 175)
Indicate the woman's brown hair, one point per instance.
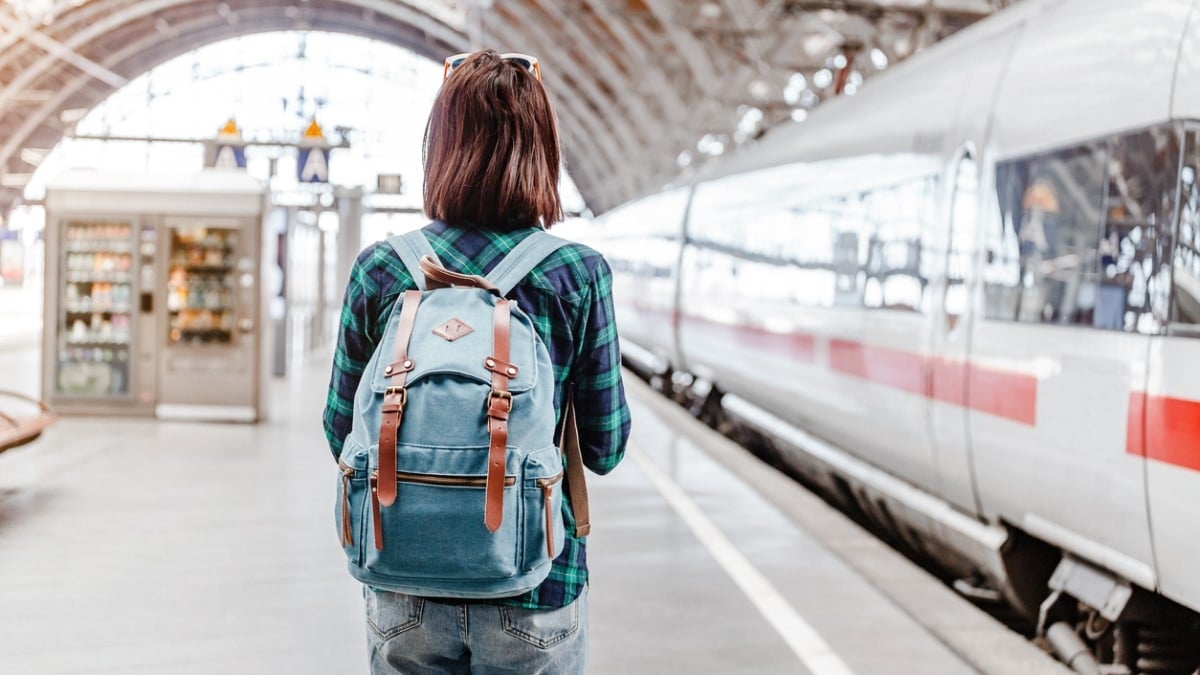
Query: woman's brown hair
point(491, 148)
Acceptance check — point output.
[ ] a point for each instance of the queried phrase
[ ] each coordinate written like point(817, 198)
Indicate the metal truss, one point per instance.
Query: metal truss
point(637, 82)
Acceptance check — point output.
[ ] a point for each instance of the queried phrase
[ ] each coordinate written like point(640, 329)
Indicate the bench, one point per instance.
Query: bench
point(15, 430)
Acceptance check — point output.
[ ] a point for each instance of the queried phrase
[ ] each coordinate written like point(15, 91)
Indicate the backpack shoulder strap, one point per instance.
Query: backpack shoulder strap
point(411, 247)
point(522, 259)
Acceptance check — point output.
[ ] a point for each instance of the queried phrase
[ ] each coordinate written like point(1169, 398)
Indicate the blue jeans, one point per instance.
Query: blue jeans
point(412, 635)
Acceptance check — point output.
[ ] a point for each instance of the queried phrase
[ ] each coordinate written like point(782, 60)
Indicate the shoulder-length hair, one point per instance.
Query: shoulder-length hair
point(491, 148)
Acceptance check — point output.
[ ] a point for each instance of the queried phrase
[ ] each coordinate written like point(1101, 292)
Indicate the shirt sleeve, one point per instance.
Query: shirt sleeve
point(600, 407)
point(355, 345)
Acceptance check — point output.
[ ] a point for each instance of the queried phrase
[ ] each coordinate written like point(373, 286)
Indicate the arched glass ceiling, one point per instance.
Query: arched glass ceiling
point(644, 87)
point(374, 94)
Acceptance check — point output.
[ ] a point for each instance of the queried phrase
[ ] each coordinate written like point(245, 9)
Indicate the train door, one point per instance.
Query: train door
point(954, 315)
point(950, 340)
point(1172, 399)
point(1170, 407)
point(1071, 280)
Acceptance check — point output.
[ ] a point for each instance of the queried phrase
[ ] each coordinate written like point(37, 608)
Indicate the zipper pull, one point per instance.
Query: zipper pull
point(347, 536)
point(375, 521)
point(547, 494)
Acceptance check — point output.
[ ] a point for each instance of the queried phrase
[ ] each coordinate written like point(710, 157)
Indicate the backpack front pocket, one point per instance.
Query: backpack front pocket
point(435, 529)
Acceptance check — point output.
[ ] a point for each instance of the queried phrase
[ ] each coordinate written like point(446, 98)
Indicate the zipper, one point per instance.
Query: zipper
point(547, 485)
point(444, 481)
point(347, 530)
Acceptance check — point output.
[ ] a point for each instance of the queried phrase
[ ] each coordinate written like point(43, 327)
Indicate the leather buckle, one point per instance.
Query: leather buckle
point(403, 391)
point(503, 395)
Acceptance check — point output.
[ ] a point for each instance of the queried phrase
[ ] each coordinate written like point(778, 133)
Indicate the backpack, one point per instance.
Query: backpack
point(451, 483)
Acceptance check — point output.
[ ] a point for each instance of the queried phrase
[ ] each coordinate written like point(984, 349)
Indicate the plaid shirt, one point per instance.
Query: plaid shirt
point(569, 298)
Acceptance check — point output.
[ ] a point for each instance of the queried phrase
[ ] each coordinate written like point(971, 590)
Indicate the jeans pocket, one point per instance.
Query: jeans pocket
point(390, 614)
point(542, 628)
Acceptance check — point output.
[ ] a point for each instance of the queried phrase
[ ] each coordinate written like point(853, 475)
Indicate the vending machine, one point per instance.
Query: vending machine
point(154, 295)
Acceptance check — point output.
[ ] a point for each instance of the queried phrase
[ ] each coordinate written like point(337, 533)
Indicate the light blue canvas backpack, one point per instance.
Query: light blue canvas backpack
point(451, 481)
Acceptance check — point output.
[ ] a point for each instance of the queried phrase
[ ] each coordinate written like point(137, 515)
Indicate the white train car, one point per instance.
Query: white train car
point(968, 299)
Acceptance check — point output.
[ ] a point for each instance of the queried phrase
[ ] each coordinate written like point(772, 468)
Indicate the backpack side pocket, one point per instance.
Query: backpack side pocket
point(542, 531)
point(349, 510)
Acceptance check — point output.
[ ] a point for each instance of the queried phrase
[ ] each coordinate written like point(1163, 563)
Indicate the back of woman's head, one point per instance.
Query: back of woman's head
point(491, 148)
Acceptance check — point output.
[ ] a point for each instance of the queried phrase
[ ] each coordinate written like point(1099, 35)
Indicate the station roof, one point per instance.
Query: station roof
point(643, 87)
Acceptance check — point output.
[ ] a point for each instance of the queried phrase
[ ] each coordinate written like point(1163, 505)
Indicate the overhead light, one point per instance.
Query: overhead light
point(759, 89)
point(72, 115)
point(840, 61)
point(823, 78)
point(33, 96)
point(750, 121)
point(879, 59)
point(818, 45)
point(796, 85)
point(15, 180)
point(799, 115)
point(710, 11)
point(711, 145)
point(33, 156)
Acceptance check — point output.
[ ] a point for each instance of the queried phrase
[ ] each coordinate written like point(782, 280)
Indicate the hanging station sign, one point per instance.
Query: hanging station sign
point(313, 164)
point(229, 149)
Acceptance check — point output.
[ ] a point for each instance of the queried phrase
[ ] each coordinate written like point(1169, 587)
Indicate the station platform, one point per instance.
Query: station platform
point(135, 547)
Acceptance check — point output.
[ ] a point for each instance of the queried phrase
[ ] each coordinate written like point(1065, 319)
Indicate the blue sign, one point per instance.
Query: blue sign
point(313, 166)
point(230, 157)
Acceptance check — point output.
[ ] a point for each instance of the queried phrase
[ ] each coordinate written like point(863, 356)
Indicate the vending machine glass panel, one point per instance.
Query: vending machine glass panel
point(201, 285)
point(95, 309)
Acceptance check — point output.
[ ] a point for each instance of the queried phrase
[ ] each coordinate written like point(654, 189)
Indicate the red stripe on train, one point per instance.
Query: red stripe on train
point(1004, 394)
point(1158, 427)
point(884, 365)
point(1172, 431)
point(1009, 395)
point(799, 346)
point(1135, 425)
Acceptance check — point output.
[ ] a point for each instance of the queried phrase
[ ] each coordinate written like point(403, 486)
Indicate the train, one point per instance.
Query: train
point(965, 303)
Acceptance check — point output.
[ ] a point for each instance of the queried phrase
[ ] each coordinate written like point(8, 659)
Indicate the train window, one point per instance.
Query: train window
point(1043, 263)
point(819, 240)
point(1083, 234)
point(1133, 284)
point(1185, 305)
point(637, 238)
point(893, 273)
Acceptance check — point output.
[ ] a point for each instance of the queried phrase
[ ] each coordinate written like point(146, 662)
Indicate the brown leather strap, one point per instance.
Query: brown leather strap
point(395, 398)
point(437, 276)
point(576, 482)
point(499, 405)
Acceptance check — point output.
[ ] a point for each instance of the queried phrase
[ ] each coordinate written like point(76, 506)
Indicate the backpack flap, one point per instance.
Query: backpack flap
point(452, 337)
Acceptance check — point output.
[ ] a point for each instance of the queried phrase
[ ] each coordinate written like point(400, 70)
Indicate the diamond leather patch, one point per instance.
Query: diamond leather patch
point(452, 330)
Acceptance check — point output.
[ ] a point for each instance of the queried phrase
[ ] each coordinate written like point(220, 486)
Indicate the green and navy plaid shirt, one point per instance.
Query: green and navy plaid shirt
point(569, 298)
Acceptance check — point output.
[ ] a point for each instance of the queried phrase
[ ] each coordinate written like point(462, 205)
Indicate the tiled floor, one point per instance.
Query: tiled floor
point(135, 546)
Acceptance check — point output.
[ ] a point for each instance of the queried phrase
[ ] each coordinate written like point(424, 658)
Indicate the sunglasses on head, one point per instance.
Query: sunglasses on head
point(526, 61)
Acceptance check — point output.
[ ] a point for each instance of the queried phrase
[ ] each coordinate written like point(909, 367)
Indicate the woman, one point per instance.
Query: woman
point(491, 179)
